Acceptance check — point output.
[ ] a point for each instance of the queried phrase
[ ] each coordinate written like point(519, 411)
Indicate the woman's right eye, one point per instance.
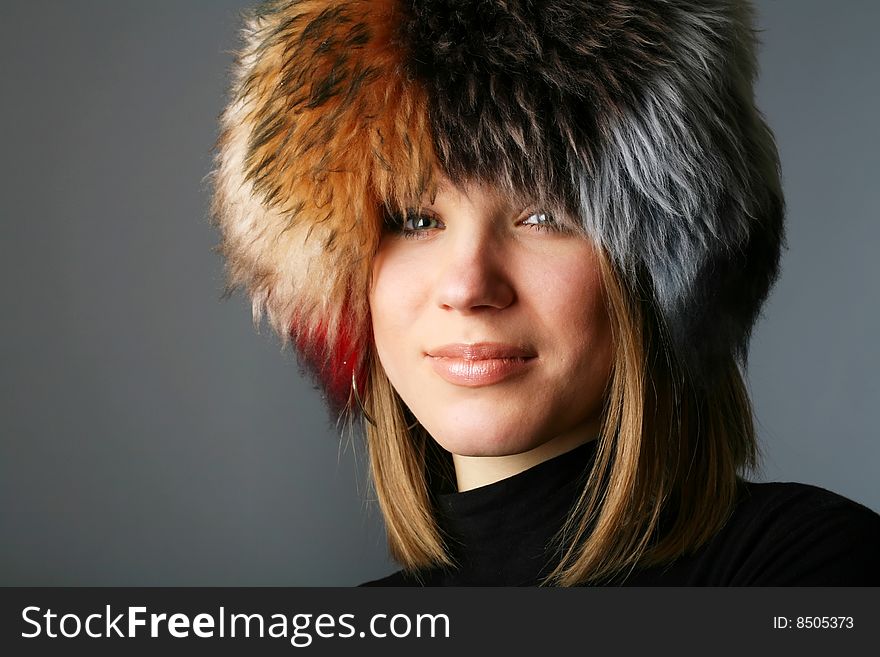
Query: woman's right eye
point(416, 225)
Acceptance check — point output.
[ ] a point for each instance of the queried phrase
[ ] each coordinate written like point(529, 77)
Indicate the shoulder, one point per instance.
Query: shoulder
point(394, 579)
point(399, 578)
point(782, 534)
point(778, 505)
point(790, 533)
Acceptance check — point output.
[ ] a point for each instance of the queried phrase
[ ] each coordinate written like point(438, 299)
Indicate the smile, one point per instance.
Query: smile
point(482, 364)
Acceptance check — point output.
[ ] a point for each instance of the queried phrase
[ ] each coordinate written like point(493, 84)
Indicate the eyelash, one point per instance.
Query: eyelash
point(413, 233)
point(399, 226)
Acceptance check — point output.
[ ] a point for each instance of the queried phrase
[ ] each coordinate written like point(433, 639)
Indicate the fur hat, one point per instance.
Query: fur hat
point(634, 116)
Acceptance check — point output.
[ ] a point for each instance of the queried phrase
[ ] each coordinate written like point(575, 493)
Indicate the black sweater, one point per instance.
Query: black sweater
point(779, 534)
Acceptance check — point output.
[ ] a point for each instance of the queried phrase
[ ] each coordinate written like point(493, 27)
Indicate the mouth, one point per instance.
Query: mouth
point(480, 364)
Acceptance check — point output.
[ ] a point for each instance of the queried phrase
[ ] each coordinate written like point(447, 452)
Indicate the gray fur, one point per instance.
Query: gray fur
point(636, 117)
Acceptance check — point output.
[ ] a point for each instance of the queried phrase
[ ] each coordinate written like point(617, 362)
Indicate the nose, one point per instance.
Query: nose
point(474, 277)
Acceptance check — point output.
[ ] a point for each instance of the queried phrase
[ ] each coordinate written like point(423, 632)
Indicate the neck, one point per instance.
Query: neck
point(475, 471)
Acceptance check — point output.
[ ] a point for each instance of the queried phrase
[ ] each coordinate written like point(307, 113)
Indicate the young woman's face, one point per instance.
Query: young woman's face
point(491, 324)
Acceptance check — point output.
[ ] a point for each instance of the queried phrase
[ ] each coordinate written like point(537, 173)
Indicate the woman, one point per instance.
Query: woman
point(524, 245)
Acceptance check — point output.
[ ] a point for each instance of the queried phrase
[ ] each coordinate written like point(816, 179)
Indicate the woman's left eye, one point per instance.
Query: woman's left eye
point(540, 221)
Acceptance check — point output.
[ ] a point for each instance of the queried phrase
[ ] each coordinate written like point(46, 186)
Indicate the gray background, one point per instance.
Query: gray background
point(148, 436)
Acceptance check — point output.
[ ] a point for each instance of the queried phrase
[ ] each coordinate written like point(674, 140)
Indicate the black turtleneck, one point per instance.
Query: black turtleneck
point(780, 534)
point(501, 533)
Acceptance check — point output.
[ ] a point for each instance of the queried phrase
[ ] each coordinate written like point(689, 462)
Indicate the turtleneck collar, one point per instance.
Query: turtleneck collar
point(501, 534)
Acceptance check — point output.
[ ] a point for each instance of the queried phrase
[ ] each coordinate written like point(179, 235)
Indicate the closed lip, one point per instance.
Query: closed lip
point(480, 364)
point(480, 351)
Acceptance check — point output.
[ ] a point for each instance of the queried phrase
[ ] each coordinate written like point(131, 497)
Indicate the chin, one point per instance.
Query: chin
point(483, 436)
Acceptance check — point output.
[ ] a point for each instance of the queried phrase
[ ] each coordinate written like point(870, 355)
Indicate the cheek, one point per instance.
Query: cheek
point(570, 303)
point(395, 298)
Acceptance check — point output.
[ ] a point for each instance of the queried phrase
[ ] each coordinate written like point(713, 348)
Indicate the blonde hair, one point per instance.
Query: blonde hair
point(663, 481)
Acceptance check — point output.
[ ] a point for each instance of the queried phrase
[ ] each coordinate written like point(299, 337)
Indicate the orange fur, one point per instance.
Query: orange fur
point(324, 127)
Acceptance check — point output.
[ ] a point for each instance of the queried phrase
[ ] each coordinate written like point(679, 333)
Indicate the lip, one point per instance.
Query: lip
point(479, 364)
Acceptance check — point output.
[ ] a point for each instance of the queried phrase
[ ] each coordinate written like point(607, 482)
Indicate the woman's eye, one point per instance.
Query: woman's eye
point(416, 224)
point(540, 221)
point(412, 224)
point(419, 222)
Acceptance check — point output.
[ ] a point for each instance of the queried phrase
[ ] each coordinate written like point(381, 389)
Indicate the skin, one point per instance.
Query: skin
point(473, 267)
